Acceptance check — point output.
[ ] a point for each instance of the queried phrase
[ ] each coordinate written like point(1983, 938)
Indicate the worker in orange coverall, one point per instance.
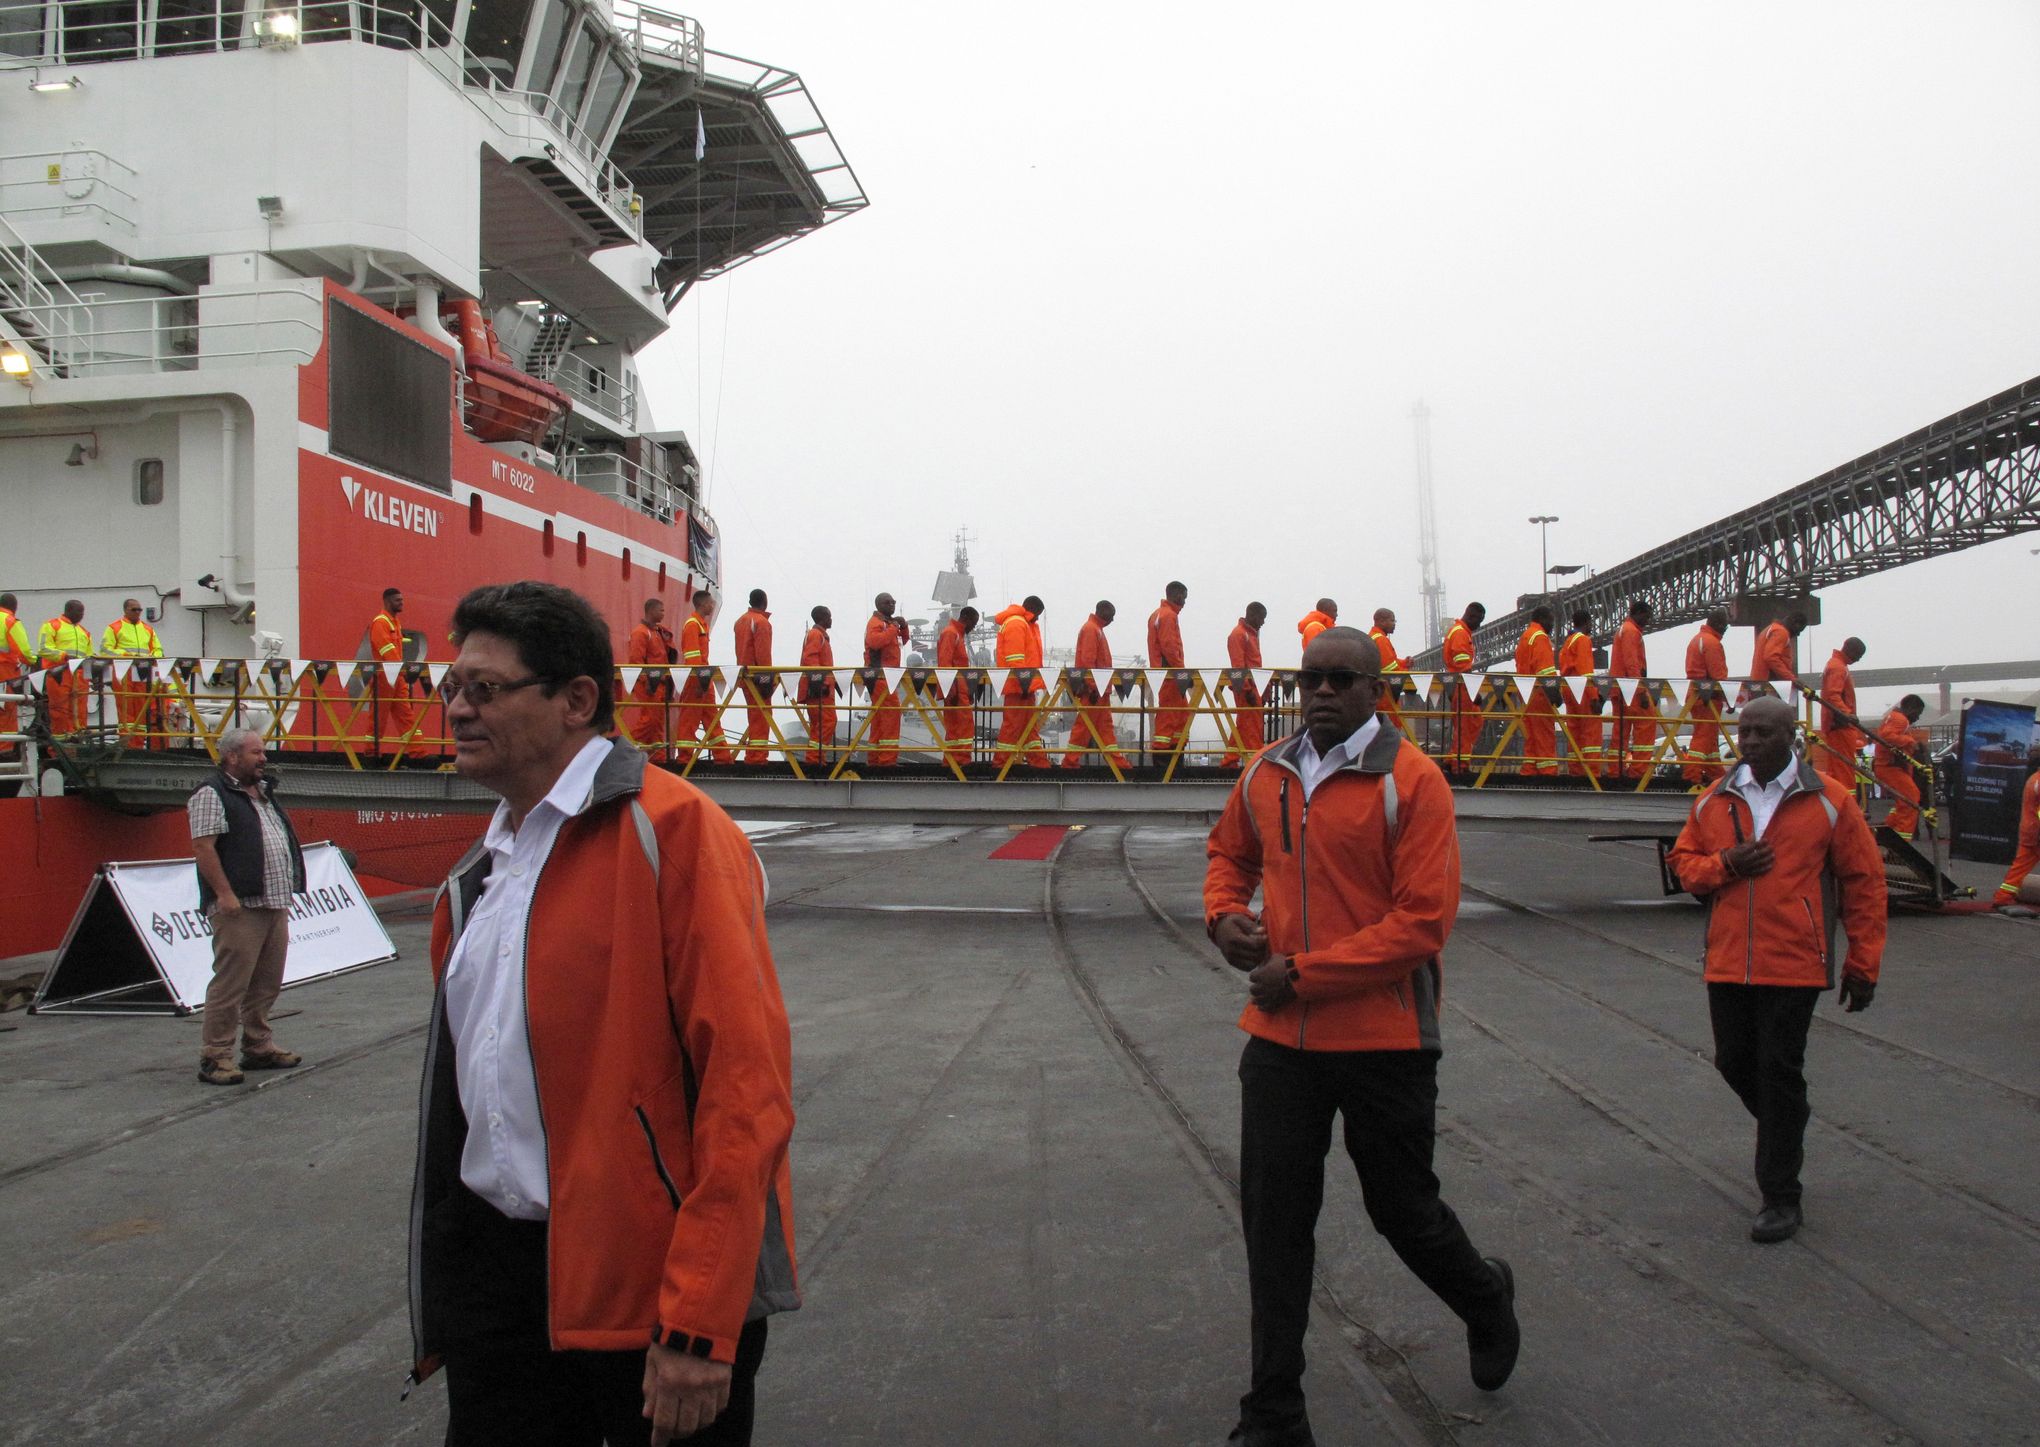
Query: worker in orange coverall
point(1706, 668)
point(2028, 857)
point(959, 724)
point(1316, 621)
point(1773, 662)
point(1537, 670)
point(1393, 664)
point(651, 646)
point(818, 689)
point(1582, 699)
point(754, 651)
point(395, 715)
point(1636, 724)
point(700, 719)
point(1093, 684)
point(1243, 652)
point(1462, 702)
point(884, 632)
point(1899, 742)
point(1841, 738)
point(1165, 650)
point(1019, 651)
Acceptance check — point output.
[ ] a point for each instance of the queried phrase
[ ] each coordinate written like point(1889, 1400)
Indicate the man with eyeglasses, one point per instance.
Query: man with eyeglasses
point(602, 1214)
point(1342, 1016)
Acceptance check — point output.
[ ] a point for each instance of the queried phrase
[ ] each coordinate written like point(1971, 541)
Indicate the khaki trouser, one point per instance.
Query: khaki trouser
point(248, 953)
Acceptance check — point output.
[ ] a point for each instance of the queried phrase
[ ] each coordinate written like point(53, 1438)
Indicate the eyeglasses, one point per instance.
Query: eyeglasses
point(481, 692)
point(1310, 680)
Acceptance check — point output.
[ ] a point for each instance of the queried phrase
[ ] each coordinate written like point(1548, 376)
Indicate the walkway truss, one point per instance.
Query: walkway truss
point(1968, 479)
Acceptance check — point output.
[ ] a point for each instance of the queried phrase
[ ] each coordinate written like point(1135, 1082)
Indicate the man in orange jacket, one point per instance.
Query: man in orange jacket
point(1841, 740)
point(1019, 651)
point(1165, 650)
point(650, 647)
point(1317, 620)
point(2028, 857)
point(1393, 664)
point(700, 716)
point(602, 1271)
point(1582, 699)
point(959, 718)
point(818, 689)
point(883, 635)
point(1767, 849)
point(1706, 667)
point(17, 659)
point(1342, 1016)
point(1636, 724)
point(1092, 682)
point(1243, 652)
point(393, 715)
point(1537, 674)
point(1461, 702)
point(1900, 748)
point(754, 651)
point(1776, 644)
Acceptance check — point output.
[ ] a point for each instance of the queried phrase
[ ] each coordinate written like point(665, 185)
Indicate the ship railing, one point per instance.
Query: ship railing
point(612, 475)
point(37, 305)
point(1599, 735)
point(785, 95)
point(615, 397)
point(43, 189)
point(20, 762)
point(672, 37)
point(100, 336)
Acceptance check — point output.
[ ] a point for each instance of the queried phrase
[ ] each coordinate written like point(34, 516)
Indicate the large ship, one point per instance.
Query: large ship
point(300, 302)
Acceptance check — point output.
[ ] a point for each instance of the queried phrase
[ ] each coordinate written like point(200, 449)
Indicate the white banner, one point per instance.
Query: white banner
point(332, 928)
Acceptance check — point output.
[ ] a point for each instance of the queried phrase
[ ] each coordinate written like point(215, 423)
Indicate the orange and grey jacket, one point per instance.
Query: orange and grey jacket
point(664, 1086)
point(1360, 906)
point(1779, 928)
point(1018, 649)
point(1313, 623)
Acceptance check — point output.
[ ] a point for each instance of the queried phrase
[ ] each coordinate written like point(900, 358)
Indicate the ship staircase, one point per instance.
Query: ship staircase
point(38, 309)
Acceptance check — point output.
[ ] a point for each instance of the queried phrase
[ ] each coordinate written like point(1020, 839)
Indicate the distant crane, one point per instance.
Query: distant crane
point(1432, 587)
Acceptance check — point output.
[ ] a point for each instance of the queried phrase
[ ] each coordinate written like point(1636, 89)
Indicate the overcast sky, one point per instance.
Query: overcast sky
point(1149, 290)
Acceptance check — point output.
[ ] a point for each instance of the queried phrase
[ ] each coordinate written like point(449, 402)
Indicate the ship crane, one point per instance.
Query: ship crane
point(1431, 587)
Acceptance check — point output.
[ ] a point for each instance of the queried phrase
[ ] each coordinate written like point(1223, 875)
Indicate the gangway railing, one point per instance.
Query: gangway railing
point(37, 307)
point(41, 188)
point(1594, 734)
point(95, 336)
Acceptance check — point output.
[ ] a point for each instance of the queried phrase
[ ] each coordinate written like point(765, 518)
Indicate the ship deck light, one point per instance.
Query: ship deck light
point(49, 85)
point(277, 28)
point(14, 363)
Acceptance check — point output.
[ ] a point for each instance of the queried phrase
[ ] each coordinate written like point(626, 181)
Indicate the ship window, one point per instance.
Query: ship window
point(662, 577)
point(101, 29)
point(546, 540)
point(438, 21)
point(581, 549)
point(474, 512)
point(495, 34)
point(183, 25)
point(390, 399)
point(626, 562)
point(324, 22)
point(149, 482)
point(21, 29)
point(574, 81)
point(545, 51)
point(608, 96)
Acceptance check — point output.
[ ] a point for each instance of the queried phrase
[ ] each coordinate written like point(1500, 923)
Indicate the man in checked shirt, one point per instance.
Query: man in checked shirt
point(249, 865)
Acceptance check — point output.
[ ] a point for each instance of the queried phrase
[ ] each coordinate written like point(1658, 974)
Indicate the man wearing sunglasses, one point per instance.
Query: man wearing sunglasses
point(601, 1220)
point(1342, 1016)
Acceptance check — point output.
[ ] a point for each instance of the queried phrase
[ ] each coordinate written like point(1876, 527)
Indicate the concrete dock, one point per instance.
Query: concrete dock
point(1014, 1170)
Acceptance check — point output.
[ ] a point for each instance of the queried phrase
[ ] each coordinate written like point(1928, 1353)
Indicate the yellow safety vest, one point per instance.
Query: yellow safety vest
point(61, 639)
point(15, 655)
point(131, 640)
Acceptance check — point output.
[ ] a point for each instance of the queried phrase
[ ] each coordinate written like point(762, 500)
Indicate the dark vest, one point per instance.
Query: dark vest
point(240, 848)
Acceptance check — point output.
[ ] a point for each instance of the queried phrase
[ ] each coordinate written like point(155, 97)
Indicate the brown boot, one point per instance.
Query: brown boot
point(270, 1059)
point(218, 1072)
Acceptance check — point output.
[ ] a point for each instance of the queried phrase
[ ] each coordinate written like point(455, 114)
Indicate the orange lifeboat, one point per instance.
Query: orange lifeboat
point(502, 404)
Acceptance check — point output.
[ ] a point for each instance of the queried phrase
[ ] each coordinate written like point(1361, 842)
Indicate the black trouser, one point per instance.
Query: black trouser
point(1760, 1050)
point(507, 1387)
point(1388, 1100)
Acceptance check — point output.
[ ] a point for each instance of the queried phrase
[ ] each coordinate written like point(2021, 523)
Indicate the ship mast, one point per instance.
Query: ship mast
point(1431, 587)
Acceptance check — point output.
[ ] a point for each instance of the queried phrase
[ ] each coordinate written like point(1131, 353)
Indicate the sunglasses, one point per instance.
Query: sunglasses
point(1341, 679)
point(481, 692)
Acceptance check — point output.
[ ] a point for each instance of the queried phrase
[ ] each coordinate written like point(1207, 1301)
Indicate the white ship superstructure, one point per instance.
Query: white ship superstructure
point(304, 301)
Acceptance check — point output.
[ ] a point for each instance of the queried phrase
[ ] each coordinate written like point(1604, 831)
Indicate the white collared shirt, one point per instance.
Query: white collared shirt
point(505, 1159)
point(1763, 799)
point(1315, 769)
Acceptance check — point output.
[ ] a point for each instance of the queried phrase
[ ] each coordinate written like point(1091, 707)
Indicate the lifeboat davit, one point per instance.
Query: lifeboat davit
point(501, 404)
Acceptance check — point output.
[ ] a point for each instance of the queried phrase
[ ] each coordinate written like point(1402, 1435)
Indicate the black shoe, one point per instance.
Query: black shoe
point(1492, 1342)
point(1775, 1223)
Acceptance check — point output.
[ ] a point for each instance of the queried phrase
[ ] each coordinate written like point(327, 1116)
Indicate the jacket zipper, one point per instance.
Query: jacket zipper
point(1303, 876)
point(1285, 815)
point(1819, 940)
point(658, 1161)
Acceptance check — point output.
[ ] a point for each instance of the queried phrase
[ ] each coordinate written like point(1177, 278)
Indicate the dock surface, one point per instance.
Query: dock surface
point(1014, 1180)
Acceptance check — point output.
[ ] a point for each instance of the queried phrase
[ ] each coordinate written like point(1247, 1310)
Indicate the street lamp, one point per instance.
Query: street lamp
point(1543, 525)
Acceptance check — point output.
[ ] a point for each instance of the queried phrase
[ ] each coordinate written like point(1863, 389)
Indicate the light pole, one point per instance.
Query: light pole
point(1543, 524)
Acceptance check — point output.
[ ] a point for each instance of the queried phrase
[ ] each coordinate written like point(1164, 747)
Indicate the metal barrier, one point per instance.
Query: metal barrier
point(980, 724)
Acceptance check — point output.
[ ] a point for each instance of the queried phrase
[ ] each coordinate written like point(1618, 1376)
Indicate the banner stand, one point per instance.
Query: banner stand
point(139, 945)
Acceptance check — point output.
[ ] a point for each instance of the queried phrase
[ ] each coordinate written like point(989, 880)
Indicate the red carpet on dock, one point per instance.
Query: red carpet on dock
point(1036, 841)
